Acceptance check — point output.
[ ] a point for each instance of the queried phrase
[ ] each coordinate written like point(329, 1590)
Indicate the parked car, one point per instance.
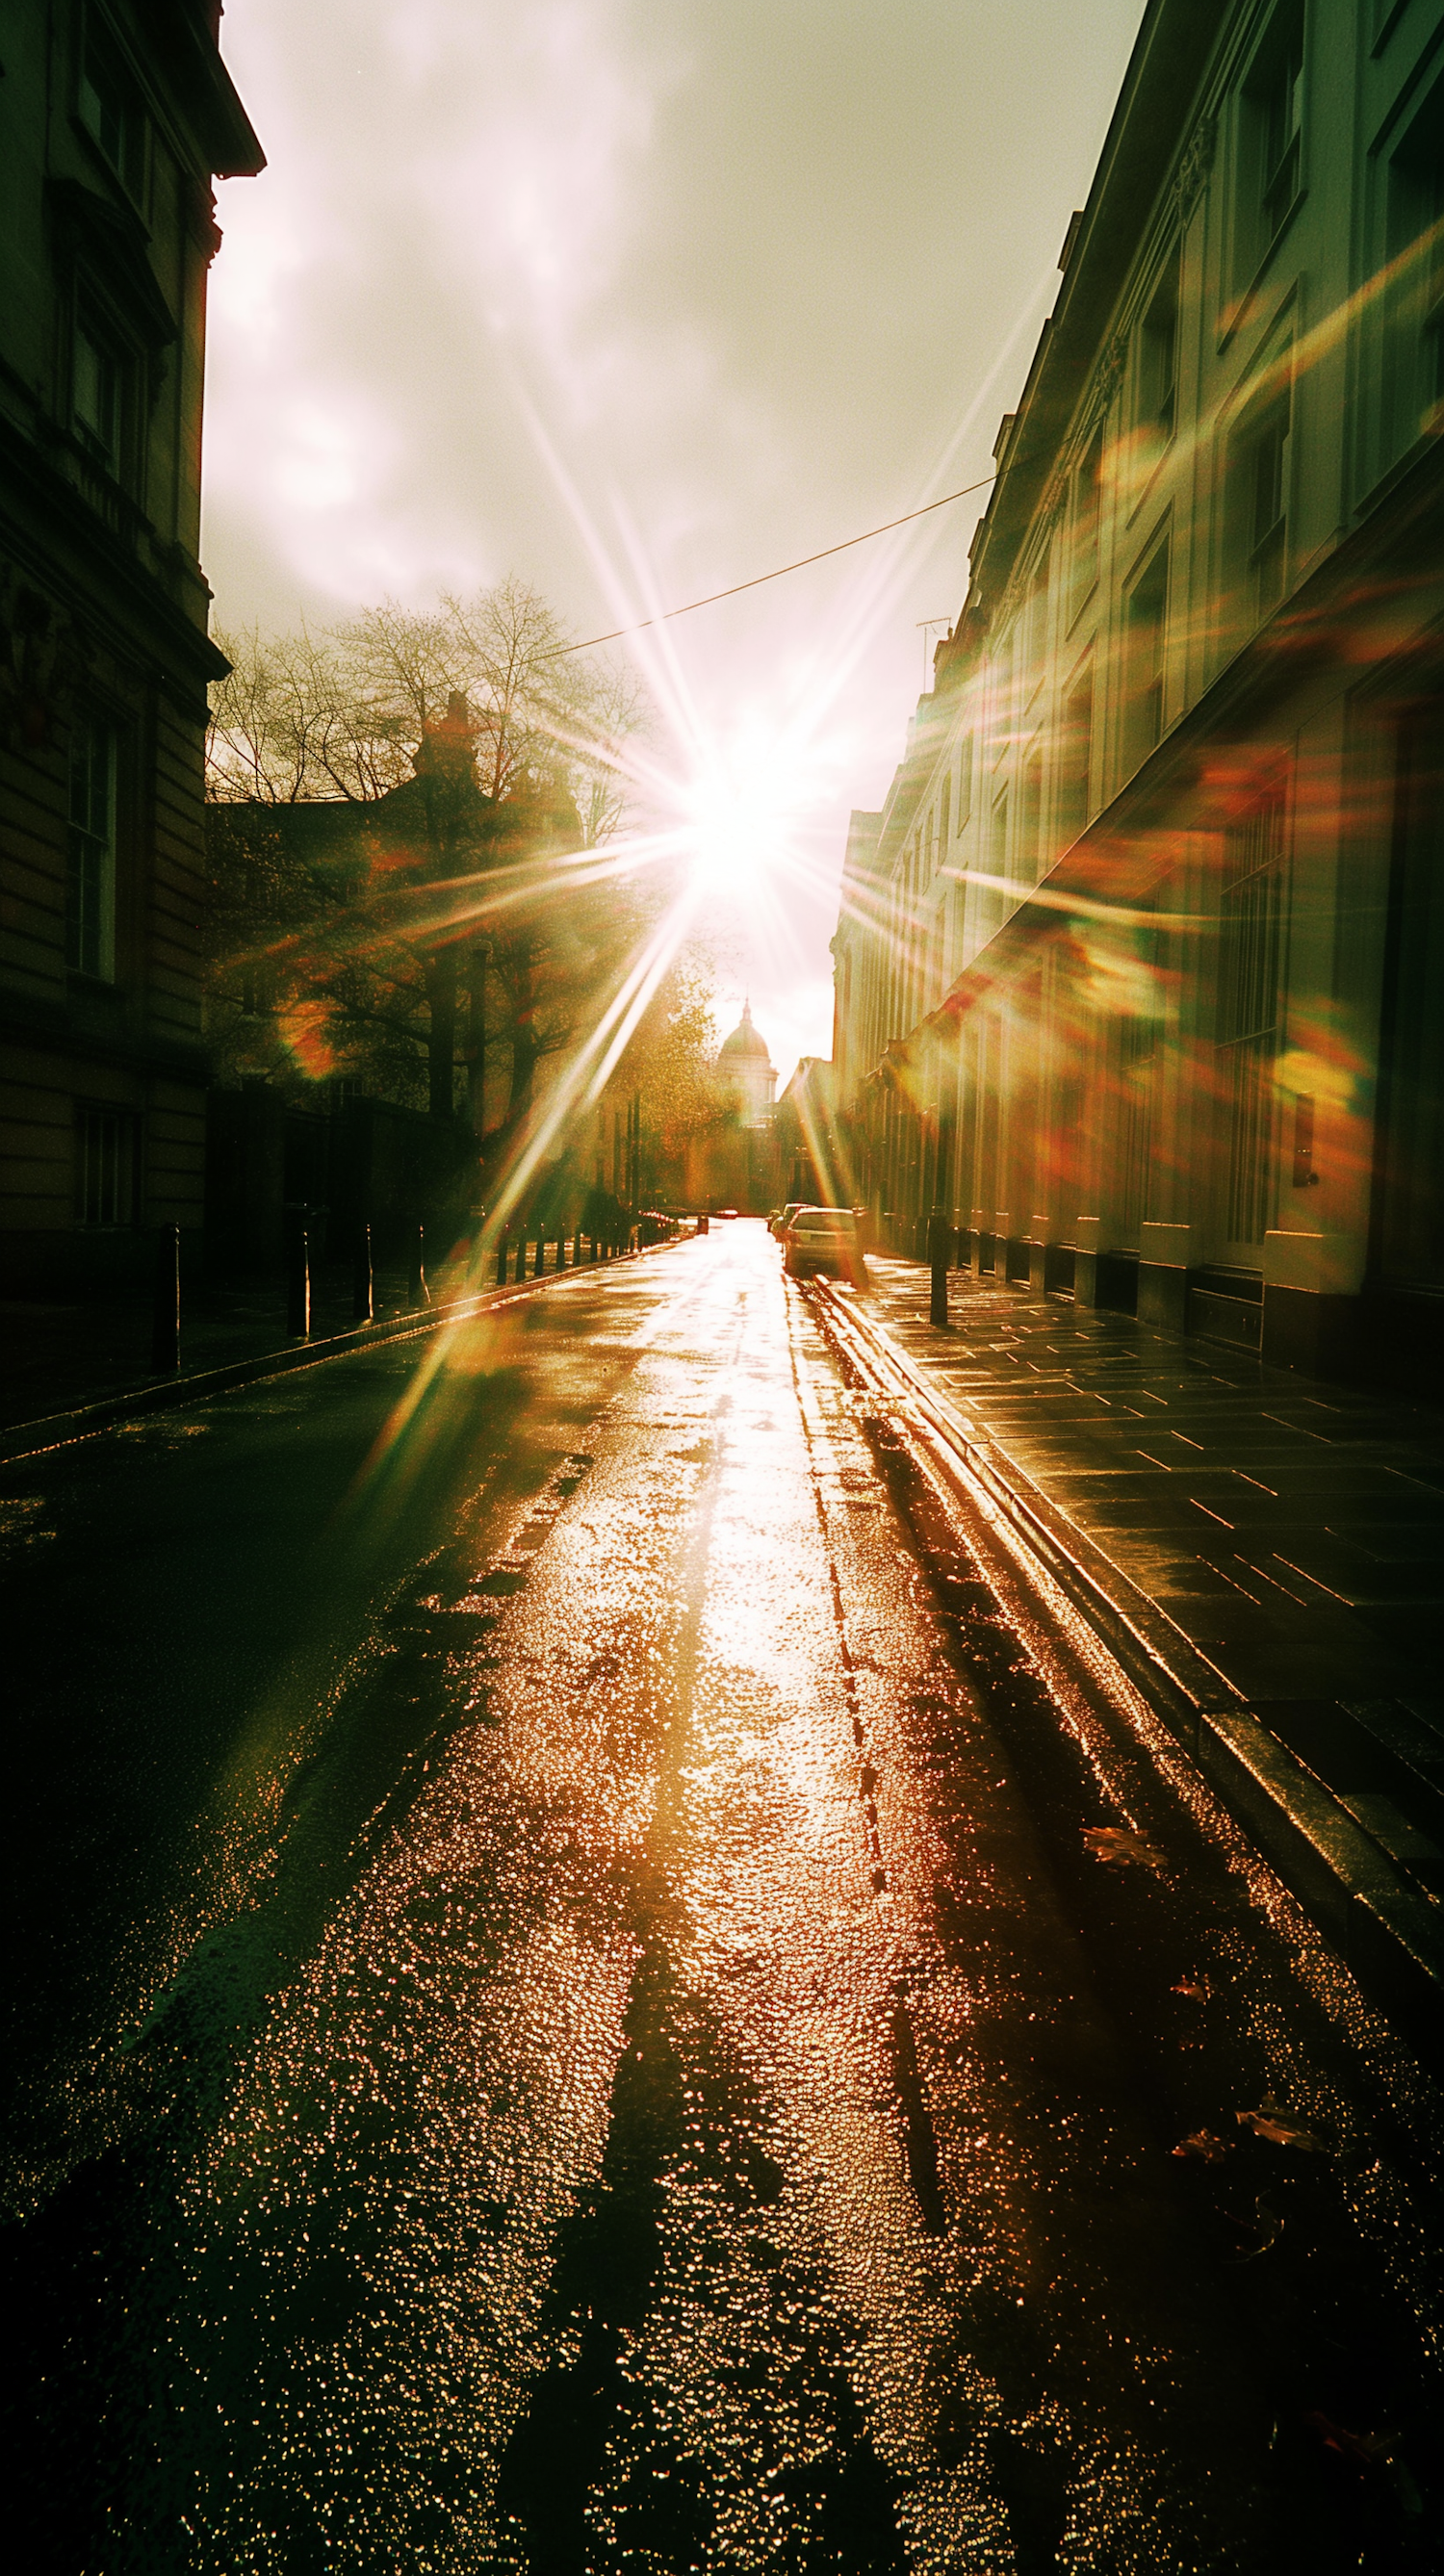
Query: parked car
point(779, 1224)
point(824, 1239)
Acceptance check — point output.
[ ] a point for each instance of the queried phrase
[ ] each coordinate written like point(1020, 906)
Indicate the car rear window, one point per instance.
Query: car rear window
point(824, 1221)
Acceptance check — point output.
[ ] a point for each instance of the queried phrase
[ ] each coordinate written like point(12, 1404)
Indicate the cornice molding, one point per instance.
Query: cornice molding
point(1195, 167)
point(114, 586)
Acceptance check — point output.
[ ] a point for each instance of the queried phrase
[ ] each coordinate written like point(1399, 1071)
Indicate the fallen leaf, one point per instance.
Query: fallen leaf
point(1204, 2144)
point(1116, 1843)
point(1267, 2122)
point(1369, 2449)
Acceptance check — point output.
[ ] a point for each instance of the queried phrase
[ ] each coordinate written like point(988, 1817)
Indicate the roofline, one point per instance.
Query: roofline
point(192, 39)
point(1165, 71)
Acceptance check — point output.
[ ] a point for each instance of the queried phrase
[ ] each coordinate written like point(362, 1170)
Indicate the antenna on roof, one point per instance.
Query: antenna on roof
point(931, 626)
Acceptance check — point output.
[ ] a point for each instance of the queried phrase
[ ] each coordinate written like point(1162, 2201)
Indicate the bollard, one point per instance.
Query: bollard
point(298, 1285)
point(165, 1335)
point(363, 1283)
point(521, 1259)
point(940, 1244)
point(541, 1257)
point(502, 1250)
point(417, 1292)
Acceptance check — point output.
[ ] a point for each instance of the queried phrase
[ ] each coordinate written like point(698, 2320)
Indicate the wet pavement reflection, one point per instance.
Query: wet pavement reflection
point(603, 1997)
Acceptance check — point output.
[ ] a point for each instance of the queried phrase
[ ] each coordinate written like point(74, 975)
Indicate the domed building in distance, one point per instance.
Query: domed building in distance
point(745, 1068)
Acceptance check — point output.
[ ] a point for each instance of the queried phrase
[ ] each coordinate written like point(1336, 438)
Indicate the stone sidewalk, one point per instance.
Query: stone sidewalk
point(1292, 1531)
point(56, 1356)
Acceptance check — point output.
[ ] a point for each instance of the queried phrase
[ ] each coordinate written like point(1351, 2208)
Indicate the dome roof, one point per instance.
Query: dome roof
point(744, 1039)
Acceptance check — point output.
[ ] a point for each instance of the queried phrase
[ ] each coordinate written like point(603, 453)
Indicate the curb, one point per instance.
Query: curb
point(1387, 1931)
point(56, 1430)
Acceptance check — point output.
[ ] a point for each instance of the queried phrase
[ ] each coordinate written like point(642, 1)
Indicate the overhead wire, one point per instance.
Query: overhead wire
point(665, 615)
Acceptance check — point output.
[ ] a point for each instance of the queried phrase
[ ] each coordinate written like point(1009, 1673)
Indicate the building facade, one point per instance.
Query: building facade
point(1140, 970)
point(809, 1168)
point(745, 1068)
point(115, 115)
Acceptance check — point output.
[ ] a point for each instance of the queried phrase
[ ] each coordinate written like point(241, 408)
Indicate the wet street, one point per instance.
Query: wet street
point(595, 1986)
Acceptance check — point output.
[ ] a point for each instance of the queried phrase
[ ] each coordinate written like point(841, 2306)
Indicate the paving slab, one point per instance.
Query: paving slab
point(1292, 1532)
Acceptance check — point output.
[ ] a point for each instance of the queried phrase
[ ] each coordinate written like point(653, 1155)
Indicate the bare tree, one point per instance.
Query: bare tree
point(309, 717)
point(474, 750)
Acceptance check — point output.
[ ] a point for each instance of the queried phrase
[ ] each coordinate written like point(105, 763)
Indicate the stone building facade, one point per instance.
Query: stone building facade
point(115, 115)
point(745, 1069)
point(1140, 969)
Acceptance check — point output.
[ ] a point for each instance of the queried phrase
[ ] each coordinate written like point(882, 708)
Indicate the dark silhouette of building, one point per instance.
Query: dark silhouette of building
point(114, 120)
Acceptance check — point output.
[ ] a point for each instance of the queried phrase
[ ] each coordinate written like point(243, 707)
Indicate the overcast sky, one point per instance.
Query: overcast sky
point(637, 298)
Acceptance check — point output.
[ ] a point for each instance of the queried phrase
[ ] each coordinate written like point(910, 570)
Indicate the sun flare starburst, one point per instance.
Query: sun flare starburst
point(741, 808)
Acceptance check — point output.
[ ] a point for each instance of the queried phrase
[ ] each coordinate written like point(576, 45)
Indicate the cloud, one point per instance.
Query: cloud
point(637, 298)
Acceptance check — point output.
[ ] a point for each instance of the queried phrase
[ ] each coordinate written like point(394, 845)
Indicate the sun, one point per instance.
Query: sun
point(741, 809)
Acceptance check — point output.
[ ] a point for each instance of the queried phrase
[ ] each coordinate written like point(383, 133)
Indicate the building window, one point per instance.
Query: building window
point(1003, 697)
point(1409, 1213)
point(1158, 366)
point(965, 782)
point(90, 911)
point(956, 918)
point(1030, 817)
point(1254, 925)
point(110, 111)
point(95, 396)
point(1271, 138)
point(1268, 519)
point(1258, 500)
point(1075, 760)
point(1035, 632)
point(1147, 641)
point(1087, 513)
point(1414, 318)
point(998, 852)
point(104, 1166)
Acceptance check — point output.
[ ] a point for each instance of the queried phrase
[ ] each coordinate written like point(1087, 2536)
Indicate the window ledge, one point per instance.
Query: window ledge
point(1156, 468)
point(1424, 445)
point(1236, 313)
point(99, 486)
point(1084, 604)
point(131, 197)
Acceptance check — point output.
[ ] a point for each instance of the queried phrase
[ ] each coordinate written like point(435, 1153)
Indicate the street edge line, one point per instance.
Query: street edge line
point(83, 1421)
point(1328, 1854)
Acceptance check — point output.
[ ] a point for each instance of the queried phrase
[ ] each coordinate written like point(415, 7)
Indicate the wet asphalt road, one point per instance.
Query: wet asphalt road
point(592, 1990)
